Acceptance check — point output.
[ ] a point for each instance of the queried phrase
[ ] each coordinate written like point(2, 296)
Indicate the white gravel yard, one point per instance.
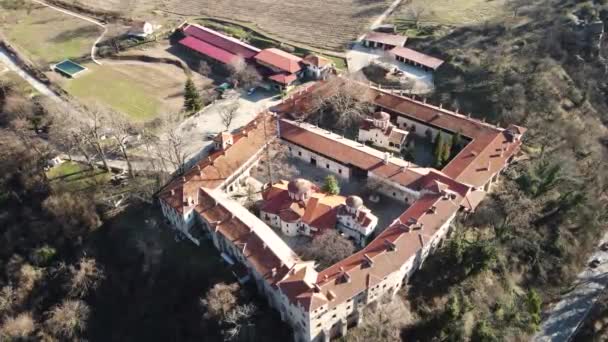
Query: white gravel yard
point(358, 57)
point(197, 129)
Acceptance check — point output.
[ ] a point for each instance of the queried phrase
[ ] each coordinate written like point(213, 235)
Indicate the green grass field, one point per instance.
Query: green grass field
point(74, 176)
point(46, 36)
point(117, 90)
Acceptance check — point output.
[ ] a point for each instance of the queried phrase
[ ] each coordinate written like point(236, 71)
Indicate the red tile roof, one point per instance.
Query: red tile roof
point(279, 59)
point(284, 78)
point(386, 38)
point(348, 155)
point(212, 171)
point(221, 41)
point(317, 61)
point(319, 211)
point(209, 50)
point(418, 57)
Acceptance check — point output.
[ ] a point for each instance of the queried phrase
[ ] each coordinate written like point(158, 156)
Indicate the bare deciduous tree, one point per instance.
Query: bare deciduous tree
point(17, 328)
point(236, 319)
point(122, 131)
point(84, 277)
point(328, 248)
point(383, 321)
point(416, 12)
point(8, 297)
point(228, 113)
point(220, 300)
point(346, 104)
point(68, 319)
point(204, 68)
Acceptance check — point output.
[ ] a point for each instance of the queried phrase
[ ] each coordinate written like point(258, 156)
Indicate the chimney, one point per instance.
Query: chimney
point(172, 192)
point(433, 209)
point(184, 179)
point(245, 133)
point(202, 174)
point(390, 245)
point(369, 260)
point(273, 271)
point(386, 157)
point(421, 240)
point(198, 167)
point(424, 100)
point(440, 105)
point(402, 169)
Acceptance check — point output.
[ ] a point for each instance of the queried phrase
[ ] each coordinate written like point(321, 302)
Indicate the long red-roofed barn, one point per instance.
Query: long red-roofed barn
point(216, 46)
point(323, 304)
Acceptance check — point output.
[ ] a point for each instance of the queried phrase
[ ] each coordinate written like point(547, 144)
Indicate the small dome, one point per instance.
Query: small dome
point(354, 202)
point(382, 116)
point(299, 186)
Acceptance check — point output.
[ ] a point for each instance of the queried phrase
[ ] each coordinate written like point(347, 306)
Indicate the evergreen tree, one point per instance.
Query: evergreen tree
point(331, 185)
point(456, 143)
point(446, 153)
point(438, 150)
point(192, 99)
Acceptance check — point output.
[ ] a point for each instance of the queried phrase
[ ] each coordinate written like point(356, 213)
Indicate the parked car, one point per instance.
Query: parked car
point(595, 263)
point(223, 87)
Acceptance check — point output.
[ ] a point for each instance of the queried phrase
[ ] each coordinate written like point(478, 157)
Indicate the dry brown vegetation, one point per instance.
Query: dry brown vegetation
point(328, 24)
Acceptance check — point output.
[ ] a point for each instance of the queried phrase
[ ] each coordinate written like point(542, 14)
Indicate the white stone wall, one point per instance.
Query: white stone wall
point(421, 129)
point(377, 137)
point(395, 190)
point(324, 163)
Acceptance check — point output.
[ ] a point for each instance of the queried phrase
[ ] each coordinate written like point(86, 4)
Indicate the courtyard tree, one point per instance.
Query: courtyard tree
point(192, 99)
point(446, 152)
point(344, 106)
point(331, 185)
point(328, 248)
point(455, 143)
point(438, 150)
point(228, 113)
point(204, 68)
point(242, 75)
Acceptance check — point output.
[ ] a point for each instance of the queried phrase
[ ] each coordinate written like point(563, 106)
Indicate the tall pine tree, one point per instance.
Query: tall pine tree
point(456, 142)
point(192, 99)
point(438, 150)
point(446, 153)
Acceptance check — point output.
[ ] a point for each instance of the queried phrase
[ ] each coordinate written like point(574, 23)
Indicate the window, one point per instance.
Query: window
point(289, 148)
point(348, 307)
point(334, 316)
point(394, 194)
point(340, 171)
point(299, 153)
point(327, 166)
point(319, 325)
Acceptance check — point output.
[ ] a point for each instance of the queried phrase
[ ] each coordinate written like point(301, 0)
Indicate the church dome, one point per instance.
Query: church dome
point(382, 116)
point(354, 202)
point(299, 186)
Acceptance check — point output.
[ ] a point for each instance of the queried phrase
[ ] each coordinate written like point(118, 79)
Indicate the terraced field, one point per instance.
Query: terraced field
point(326, 24)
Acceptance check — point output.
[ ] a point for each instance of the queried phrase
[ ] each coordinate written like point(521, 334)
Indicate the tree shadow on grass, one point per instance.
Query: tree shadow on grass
point(83, 32)
point(153, 283)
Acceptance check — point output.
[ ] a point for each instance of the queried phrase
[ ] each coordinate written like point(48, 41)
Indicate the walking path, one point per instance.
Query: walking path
point(382, 17)
point(6, 60)
point(105, 30)
point(566, 317)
